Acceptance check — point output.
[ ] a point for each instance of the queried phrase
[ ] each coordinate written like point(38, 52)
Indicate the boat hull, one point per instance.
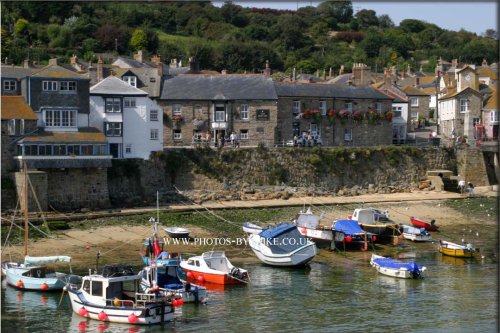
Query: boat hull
point(250, 228)
point(322, 237)
point(417, 238)
point(299, 257)
point(381, 229)
point(422, 224)
point(48, 283)
point(394, 271)
point(459, 253)
point(210, 277)
point(149, 315)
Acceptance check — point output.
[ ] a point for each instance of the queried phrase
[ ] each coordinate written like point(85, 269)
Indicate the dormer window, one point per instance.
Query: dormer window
point(132, 80)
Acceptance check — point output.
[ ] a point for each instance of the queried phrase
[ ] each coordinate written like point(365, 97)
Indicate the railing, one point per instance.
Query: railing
point(120, 302)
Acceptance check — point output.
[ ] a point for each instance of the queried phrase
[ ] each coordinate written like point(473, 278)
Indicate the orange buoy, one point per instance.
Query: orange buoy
point(132, 318)
point(83, 312)
point(102, 316)
point(201, 278)
point(189, 275)
point(20, 284)
point(44, 286)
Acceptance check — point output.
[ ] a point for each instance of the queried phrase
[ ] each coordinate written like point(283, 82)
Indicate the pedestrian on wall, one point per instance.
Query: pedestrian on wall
point(471, 189)
point(461, 186)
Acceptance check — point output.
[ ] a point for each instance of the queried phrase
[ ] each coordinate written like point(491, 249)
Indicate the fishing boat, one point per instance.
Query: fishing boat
point(282, 245)
point(429, 226)
point(397, 268)
point(309, 226)
point(375, 221)
point(349, 232)
point(32, 274)
point(416, 234)
point(251, 228)
point(214, 267)
point(457, 250)
point(113, 296)
point(177, 232)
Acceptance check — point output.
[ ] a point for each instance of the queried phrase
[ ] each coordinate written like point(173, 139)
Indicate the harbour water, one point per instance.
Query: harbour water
point(339, 292)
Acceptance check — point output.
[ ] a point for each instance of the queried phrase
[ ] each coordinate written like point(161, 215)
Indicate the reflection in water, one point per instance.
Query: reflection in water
point(455, 261)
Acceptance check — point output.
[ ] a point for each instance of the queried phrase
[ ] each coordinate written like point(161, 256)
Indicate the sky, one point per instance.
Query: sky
point(452, 15)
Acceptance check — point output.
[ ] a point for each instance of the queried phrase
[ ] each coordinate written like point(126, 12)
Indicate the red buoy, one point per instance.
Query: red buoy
point(201, 278)
point(189, 275)
point(102, 316)
point(180, 302)
point(348, 239)
point(20, 284)
point(132, 318)
point(83, 312)
point(374, 238)
point(44, 286)
point(174, 302)
point(82, 326)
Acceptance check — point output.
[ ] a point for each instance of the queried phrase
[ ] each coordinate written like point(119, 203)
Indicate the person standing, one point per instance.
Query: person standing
point(461, 186)
point(471, 189)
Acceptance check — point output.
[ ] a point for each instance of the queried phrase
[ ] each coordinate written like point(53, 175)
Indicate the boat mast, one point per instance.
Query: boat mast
point(25, 210)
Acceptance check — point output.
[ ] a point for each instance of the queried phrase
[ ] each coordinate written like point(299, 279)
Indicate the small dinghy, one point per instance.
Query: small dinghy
point(429, 226)
point(416, 234)
point(457, 250)
point(397, 268)
point(251, 228)
point(177, 232)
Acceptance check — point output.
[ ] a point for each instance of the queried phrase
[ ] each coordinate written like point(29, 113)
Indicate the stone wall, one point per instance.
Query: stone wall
point(471, 166)
point(37, 183)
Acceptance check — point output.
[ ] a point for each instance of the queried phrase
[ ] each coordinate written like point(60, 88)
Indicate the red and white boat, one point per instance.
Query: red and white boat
point(214, 267)
point(422, 224)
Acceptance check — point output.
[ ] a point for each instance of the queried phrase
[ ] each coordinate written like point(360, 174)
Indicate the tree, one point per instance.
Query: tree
point(384, 21)
point(490, 33)
point(372, 42)
point(139, 40)
point(367, 18)
point(307, 66)
point(410, 25)
point(112, 37)
point(339, 11)
point(21, 26)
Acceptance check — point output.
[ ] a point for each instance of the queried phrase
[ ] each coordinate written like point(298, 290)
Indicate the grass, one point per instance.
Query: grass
point(476, 207)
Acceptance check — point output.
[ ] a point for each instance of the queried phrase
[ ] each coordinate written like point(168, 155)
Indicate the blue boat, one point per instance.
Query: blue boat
point(397, 268)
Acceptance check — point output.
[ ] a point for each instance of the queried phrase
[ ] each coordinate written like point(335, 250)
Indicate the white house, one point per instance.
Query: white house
point(131, 121)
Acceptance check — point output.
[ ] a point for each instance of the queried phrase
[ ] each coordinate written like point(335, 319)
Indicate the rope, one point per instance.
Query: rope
point(38, 203)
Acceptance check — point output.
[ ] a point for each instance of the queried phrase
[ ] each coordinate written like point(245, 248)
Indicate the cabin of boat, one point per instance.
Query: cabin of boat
point(416, 234)
point(114, 296)
point(376, 222)
point(309, 226)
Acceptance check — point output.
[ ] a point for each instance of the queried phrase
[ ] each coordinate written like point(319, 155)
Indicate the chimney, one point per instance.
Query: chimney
point(454, 63)
point(294, 75)
point(155, 59)
point(388, 76)
point(324, 73)
point(159, 69)
point(341, 71)
point(173, 63)
point(267, 70)
point(74, 59)
point(330, 73)
point(139, 57)
point(224, 72)
point(53, 61)
point(485, 63)
point(100, 74)
point(26, 63)
point(416, 81)
point(193, 65)
point(408, 70)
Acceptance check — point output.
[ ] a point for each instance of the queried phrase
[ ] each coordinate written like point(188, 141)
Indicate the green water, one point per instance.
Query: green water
point(340, 292)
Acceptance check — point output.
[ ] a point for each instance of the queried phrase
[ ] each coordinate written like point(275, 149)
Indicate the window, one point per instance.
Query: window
point(86, 286)
point(475, 121)
point(60, 118)
point(153, 115)
point(414, 101)
point(45, 150)
point(244, 134)
point(220, 113)
point(494, 116)
point(464, 105)
point(244, 111)
point(96, 288)
point(11, 129)
point(176, 109)
point(378, 107)
point(347, 134)
point(9, 85)
point(153, 134)
point(132, 80)
point(113, 105)
point(348, 106)
point(177, 135)
point(73, 150)
point(397, 111)
point(68, 86)
point(49, 85)
point(129, 102)
point(59, 150)
point(128, 149)
point(113, 129)
point(322, 108)
point(296, 108)
point(414, 115)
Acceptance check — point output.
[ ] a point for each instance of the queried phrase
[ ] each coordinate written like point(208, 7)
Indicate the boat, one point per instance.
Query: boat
point(429, 226)
point(349, 232)
point(32, 274)
point(214, 267)
point(457, 250)
point(113, 296)
point(397, 268)
point(282, 245)
point(309, 226)
point(251, 228)
point(416, 234)
point(177, 232)
point(375, 221)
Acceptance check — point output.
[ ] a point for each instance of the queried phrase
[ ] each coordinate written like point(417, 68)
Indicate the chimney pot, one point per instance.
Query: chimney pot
point(100, 72)
point(224, 72)
point(139, 56)
point(53, 61)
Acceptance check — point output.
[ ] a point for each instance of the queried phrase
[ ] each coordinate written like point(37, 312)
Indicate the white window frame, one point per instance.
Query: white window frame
point(50, 85)
point(348, 134)
point(130, 79)
point(129, 102)
point(9, 85)
point(414, 115)
point(128, 148)
point(244, 111)
point(414, 101)
point(11, 127)
point(494, 116)
point(115, 101)
point(295, 107)
point(177, 109)
point(153, 115)
point(475, 121)
point(348, 106)
point(244, 134)
point(111, 127)
point(220, 113)
point(322, 108)
point(177, 134)
point(67, 86)
point(60, 118)
point(154, 134)
point(398, 110)
point(378, 107)
point(464, 105)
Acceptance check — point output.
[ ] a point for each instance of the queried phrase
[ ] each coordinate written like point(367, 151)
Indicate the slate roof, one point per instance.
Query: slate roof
point(492, 102)
point(412, 91)
point(16, 72)
point(84, 135)
point(114, 86)
point(341, 79)
point(488, 72)
point(396, 98)
point(134, 63)
point(327, 90)
point(15, 107)
point(57, 72)
point(453, 92)
point(211, 87)
point(144, 75)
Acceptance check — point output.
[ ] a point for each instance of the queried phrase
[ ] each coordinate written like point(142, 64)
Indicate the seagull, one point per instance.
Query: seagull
point(463, 240)
point(477, 234)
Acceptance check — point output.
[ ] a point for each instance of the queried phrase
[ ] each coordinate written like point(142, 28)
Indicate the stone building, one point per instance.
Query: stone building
point(419, 102)
point(201, 107)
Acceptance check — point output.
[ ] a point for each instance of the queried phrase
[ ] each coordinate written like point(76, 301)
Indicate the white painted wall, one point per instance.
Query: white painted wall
point(447, 109)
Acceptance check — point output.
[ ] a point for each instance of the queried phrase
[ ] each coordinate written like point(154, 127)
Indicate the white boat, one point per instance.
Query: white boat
point(113, 296)
point(282, 245)
point(375, 221)
point(251, 228)
point(214, 267)
point(309, 226)
point(397, 268)
point(177, 232)
point(416, 234)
